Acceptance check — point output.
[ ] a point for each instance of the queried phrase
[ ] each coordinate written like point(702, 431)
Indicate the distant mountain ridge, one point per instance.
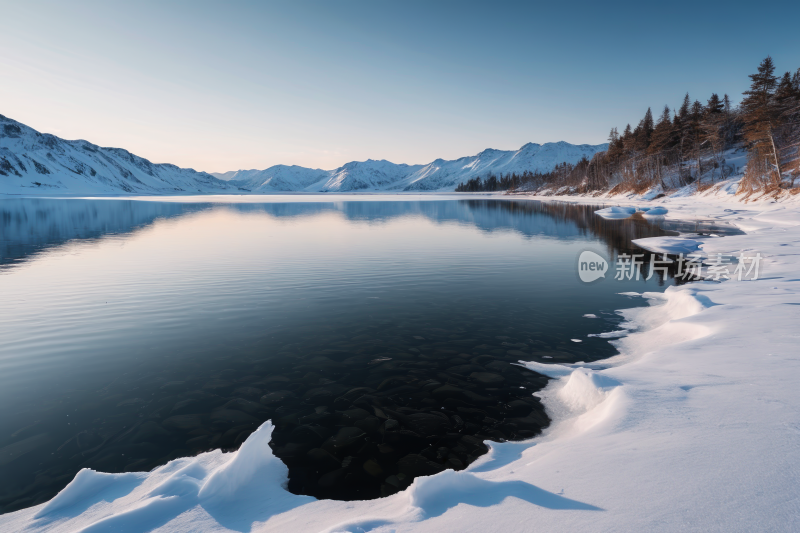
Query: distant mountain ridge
point(440, 175)
point(33, 163)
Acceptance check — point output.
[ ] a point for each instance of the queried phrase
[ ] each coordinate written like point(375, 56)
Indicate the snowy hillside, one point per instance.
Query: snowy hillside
point(369, 174)
point(34, 163)
point(277, 178)
point(440, 175)
point(235, 174)
point(445, 175)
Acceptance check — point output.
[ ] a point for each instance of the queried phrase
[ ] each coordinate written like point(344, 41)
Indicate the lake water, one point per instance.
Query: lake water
point(378, 333)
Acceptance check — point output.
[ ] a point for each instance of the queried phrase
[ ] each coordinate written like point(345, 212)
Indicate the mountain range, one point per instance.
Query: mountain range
point(33, 163)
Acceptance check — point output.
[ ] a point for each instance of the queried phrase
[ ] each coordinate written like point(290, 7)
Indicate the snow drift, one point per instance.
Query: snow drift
point(236, 489)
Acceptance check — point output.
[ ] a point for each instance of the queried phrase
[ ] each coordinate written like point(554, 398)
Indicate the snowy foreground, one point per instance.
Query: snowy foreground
point(695, 426)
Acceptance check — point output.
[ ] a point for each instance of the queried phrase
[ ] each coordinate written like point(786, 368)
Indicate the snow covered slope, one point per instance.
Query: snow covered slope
point(369, 174)
point(277, 178)
point(235, 174)
point(440, 175)
point(446, 175)
point(35, 163)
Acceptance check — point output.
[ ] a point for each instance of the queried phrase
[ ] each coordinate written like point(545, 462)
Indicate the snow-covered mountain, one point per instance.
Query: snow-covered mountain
point(446, 175)
point(276, 178)
point(33, 162)
point(234, 174)
point(440, 175)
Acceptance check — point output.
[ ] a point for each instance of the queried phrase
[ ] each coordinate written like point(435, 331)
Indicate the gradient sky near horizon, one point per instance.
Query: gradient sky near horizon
point(220, 86)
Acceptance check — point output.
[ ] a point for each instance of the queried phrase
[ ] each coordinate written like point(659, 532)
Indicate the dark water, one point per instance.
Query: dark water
point(378, 334)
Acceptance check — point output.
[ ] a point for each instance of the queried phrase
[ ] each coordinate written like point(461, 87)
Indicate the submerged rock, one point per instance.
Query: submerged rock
point(413, 465)
point(183, 422)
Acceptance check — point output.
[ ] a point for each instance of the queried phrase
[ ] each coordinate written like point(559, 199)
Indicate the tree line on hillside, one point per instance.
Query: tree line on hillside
point(495, 183)
point(688, 145)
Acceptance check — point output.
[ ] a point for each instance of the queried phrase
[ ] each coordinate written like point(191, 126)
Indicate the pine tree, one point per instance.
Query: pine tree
point(683, 125)
point(677, 123)
point(728, 122)
point(715, 105)
point(683, 112)
point(662, 136)
point(787, 102)
point(627, 139)
point(647, 126)
point(637, 139)
point(785, 94)
point(760, 116)
point(697, 111)
point(695, 132)
point(615, 147)
point(643, 132)
point(712, 129)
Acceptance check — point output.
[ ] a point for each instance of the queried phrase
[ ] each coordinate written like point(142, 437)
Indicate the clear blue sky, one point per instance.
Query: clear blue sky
point(221, 86)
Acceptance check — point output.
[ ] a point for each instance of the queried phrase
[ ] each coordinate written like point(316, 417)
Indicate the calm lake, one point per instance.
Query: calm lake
point(378, 333)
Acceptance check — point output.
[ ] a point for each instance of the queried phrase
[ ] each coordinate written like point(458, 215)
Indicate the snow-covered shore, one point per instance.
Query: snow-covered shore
point(695, 426)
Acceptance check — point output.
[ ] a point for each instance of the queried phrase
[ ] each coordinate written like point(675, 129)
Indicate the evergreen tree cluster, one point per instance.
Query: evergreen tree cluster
point(771, 116)
point(493, 183)
point(688, 144)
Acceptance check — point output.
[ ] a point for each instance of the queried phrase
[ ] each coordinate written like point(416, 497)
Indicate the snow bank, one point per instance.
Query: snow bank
point(585, 389)
point(234, 489)
point(254, 458)
point(87, 485)
point(669, 245)
point(436, 494)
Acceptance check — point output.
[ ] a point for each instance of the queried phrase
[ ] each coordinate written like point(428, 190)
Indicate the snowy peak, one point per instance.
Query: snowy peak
point(33, 162)
point(370, 174)
point(277, 178)
point(439, 175)
point(527, 147)
point(232, 175)
point(446, 175)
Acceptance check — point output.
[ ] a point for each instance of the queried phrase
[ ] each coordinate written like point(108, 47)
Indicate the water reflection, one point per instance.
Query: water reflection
point(31, 225)
point(380, 336)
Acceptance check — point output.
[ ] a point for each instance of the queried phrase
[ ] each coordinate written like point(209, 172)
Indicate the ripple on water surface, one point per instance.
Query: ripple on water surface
point(379, 336)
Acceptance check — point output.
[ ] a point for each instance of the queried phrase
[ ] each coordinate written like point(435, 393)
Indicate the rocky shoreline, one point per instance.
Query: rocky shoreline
point(365, 426)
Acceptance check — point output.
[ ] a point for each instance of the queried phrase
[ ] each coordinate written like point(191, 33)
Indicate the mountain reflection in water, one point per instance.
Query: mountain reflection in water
point(379, 335)
point(32, 225)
